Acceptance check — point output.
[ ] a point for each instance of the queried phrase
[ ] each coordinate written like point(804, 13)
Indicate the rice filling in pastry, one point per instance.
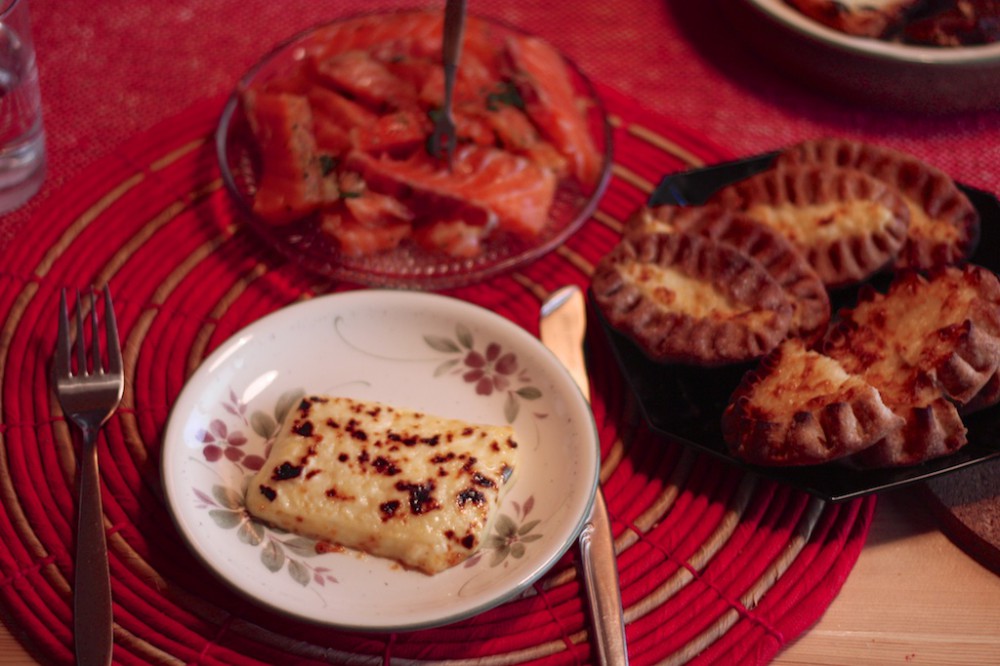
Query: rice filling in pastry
point(931, 346)
point(800, 407)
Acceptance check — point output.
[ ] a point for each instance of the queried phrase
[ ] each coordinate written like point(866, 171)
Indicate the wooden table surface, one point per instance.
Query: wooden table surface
point(913, 598)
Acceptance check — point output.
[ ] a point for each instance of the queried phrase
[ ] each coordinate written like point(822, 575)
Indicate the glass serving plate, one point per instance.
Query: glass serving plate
point(685, 403)
point(408, 266)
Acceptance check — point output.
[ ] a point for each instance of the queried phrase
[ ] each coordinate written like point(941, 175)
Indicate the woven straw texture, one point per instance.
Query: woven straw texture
point(716, 566)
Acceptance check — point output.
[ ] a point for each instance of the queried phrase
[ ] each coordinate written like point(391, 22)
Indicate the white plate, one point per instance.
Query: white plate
point(408, 349)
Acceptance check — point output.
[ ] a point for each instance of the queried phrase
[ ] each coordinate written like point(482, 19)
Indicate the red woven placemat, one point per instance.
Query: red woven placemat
point(716, 565)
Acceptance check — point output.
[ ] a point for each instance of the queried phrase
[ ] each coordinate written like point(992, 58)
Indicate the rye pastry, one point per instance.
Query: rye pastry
point(932, 428)
point(947, 325)
point(800, 407)
point(849, 225)
point(931, 346)
point(931, 425)
point(789, 268)
point(988, 396)
point(687, 299)
point(944, 225)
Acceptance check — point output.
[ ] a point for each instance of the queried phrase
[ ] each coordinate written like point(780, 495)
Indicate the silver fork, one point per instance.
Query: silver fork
point(443, 139)
point(89, 396)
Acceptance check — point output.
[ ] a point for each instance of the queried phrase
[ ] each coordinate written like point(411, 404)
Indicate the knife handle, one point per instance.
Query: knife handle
point(600, 572)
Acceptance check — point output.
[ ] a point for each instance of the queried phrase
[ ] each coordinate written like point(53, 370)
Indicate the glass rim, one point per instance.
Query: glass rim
point(7, 7)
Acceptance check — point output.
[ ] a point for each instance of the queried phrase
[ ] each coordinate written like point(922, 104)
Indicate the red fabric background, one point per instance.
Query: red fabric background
point(112, 68)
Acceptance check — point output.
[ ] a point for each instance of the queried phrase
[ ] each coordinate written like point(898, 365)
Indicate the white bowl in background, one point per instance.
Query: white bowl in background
point(932, 80)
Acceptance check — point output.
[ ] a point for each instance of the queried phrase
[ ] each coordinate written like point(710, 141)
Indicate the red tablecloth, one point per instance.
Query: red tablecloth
point(712, 564)
point(716, 565)
point(110, 69)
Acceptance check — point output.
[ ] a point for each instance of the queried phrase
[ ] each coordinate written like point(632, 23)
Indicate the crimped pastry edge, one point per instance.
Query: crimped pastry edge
point(922, 184)
point(828, 432)
point(674, 337)
point(850, 259)
point(811, 308)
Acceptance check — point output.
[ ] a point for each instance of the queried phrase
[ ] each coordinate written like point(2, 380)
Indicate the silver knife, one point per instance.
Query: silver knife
point(562, 327)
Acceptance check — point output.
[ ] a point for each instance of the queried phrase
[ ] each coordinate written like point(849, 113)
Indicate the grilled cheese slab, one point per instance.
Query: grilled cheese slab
point(419, 489)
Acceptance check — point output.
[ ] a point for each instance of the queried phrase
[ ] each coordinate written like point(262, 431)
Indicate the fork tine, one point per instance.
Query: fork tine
point(95, 338)
point(111, 326)
point(81, 353)
point(63, 350)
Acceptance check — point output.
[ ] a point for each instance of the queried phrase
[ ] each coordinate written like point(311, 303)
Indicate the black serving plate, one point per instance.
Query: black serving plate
point(685, 403)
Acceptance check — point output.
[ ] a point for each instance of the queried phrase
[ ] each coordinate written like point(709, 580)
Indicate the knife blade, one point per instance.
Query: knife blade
point(562, 327)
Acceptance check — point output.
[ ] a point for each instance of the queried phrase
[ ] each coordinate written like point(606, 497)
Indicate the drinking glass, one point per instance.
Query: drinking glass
point(22, 136)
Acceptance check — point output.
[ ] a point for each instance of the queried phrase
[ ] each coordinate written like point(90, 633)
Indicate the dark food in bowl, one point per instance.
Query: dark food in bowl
point(947, 23)
point(961, 23)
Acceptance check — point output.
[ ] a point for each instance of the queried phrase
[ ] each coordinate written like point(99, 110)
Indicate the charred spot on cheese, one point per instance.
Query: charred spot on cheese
point(421, 499)
point(471, 495)
point(483, 481)
point(467, 541)
point(335, 494)
point(420, 489)
point(389, 508)
point(305, 428)
point(285, 471)
point(386, 467)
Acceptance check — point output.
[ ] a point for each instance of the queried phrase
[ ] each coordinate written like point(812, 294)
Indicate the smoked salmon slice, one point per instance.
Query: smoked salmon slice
point(365, 79)
point(291, 181)
point(485, 187)
point(367, 222)
point(542, 78)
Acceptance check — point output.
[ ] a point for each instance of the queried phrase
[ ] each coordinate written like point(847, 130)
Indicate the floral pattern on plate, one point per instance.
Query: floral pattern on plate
point(412, 349)
point(226, 444)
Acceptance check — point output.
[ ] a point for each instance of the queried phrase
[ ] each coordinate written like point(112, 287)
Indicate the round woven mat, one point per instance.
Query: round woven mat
point(716, 565)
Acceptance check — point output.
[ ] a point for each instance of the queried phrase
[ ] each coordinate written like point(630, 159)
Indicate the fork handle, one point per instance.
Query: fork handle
point(92, 617)
point(451, 45)
point(454, 28)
